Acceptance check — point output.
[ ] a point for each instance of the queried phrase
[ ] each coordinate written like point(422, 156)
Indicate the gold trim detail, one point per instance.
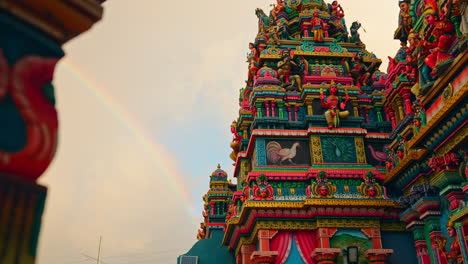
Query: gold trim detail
point(316, 149)
point(360, 151)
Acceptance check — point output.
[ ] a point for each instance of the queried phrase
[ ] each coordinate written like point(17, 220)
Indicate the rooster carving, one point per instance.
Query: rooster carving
point(277, 155)
point(377, 155)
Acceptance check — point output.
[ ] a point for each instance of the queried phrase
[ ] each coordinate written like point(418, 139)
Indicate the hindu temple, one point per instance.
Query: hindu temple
point(336, 161)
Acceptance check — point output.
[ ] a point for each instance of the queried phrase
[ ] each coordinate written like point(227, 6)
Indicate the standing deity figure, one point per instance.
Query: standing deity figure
point(355, 38)
point(278, 8)
point(441, 32)
point(460, 17)
point(318, 26)
point(454, 256)
point(404, 22)
point(336, 108)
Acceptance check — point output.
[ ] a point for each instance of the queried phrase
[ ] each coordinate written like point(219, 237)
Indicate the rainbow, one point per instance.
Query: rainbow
point(158, 152)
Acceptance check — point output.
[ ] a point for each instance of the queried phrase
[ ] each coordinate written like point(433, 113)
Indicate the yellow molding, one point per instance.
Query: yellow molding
point(458, 64)
point(448, 106)
point(413, 154)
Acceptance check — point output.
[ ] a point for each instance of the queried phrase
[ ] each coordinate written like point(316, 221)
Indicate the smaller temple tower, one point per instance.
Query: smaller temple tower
point(217, 204)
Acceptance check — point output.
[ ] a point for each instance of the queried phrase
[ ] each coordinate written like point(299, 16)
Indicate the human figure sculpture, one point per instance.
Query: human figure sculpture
point(360, 72)
point(337, 10)
point(278, 8)
point(355, 38)
point(201, 232)
point(416, 124)
point(441, 31)
point(318, 26)
point(405, 21)
point(454, 256)
point(336, 108)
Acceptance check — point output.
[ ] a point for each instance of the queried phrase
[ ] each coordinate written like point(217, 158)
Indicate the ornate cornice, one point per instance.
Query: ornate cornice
point(60, 19)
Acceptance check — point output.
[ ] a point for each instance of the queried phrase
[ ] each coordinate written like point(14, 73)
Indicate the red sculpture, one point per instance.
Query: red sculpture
point(24, 82)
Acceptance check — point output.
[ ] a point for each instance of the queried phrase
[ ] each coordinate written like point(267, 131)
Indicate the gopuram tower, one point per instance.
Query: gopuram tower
point(334, 159)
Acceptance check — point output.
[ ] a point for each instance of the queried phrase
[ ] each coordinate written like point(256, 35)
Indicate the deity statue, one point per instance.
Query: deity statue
point(355, 38)
point(441, 32)
point(416, 124)
point(318, 26)
point(459, 11)
point(290, 73)
point(321, 187)
point(278, 8)
point(454, 256)
point(262, 190)
point(336, 11)
point(370, 188)
point(405, 21)
point(360, 72)
point(336, 108)
point(336, 24)
point(201, 234)
point(272, 35)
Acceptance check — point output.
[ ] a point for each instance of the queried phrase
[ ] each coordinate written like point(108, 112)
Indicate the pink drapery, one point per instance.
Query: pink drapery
point(281, 242)
point(306, 242)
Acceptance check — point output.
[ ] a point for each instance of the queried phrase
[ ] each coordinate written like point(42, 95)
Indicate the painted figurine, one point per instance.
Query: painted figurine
point(404, 21)
point(454, 256)
point(318, 26)
point(262, 190)
point(235, 141)
point(442, 34)
point(355, 38)
point(360, 72)
point(370, 188)
point(278, 8)
point(321, 187)
point(336, 108)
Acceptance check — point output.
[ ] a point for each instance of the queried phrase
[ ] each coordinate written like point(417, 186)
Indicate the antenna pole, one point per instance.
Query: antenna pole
point(99, 251)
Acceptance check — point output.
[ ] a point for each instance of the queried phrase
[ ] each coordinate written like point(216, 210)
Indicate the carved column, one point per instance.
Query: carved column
point(31, 37)
point(324, 254)
point(258, 105)
point(416, 226)
point(289, 112)
point(391, 114)
point(310, 110)
point(401, 113)
point(273, 112)
point(264, 255)
point(281, 109)
point(267, 108)
point(378, 111)
point(246, 252)
point(296, 114)
point(407, 102)
point(428, 209)
point(420, 244)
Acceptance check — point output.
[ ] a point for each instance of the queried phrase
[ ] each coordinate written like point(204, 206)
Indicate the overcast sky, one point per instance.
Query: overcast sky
point(145, 102)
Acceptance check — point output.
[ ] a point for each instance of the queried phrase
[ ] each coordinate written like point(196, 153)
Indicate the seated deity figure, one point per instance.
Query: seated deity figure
point(336, 108)
point(278, 8)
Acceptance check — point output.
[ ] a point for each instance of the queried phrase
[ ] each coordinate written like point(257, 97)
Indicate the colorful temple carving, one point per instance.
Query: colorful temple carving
point(32, 33)
point(337, 162)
